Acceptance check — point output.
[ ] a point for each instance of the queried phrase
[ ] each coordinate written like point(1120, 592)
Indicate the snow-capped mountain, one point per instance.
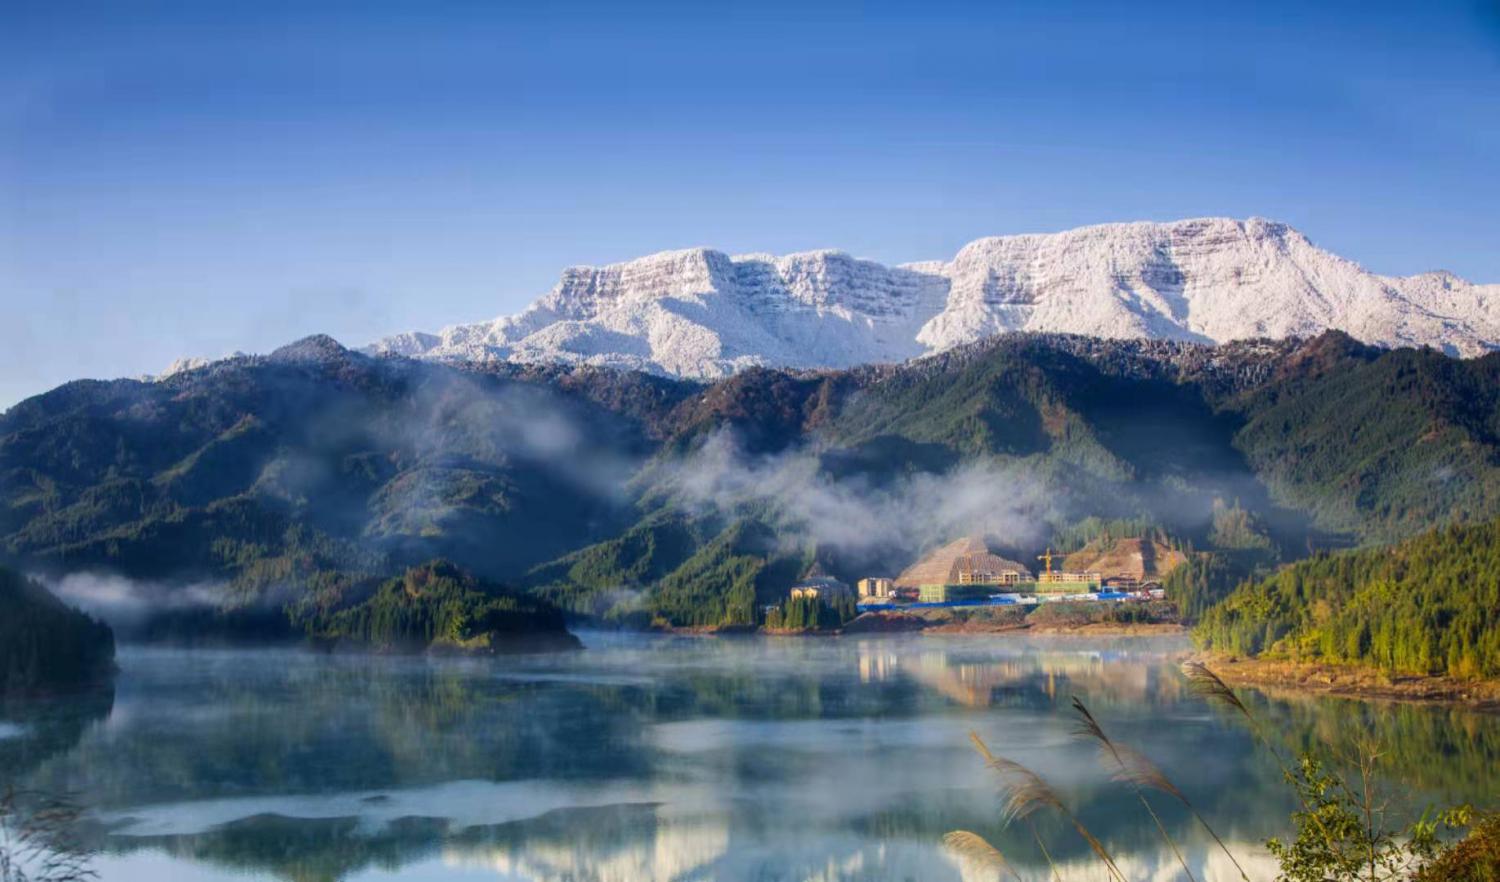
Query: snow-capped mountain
point(703, 313)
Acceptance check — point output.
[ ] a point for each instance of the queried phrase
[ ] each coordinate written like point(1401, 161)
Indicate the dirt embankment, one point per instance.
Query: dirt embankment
point(1114, 629)
point(885, 623)
point(1270, 675)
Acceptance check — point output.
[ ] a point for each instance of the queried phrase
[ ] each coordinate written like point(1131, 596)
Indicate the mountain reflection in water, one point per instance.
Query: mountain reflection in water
point(650, 757)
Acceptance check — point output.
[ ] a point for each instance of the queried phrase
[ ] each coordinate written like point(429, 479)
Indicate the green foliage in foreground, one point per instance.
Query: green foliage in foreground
point(46, 644)
point(1341, 832)
point(439, 605)
point(1429, 605)
point(1475, 859)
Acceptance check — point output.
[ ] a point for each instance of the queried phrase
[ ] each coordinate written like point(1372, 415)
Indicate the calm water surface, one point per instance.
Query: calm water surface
point(675, 758)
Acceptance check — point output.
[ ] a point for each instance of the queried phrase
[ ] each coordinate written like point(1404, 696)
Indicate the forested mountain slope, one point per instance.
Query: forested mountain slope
point(253, 479)
point(1426, 605)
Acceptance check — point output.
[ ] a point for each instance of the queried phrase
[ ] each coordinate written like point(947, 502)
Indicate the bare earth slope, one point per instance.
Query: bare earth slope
point(1139, 559)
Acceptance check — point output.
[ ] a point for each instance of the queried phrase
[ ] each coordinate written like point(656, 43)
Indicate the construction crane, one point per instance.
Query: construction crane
point(1048, 558)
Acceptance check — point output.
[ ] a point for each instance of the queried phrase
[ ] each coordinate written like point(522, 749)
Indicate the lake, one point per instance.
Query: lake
point(667, 757)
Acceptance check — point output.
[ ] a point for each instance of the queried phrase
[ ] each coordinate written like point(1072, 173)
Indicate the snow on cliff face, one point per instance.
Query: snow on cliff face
point(701, 313)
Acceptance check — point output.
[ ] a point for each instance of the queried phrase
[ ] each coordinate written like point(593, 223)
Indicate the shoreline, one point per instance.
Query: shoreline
point(1008, 620)
point(1343, 681)
point(1277, 678)
point(905, 623)
point(1092, 629)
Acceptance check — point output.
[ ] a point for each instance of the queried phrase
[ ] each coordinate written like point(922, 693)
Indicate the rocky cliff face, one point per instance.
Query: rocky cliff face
point(702, 313)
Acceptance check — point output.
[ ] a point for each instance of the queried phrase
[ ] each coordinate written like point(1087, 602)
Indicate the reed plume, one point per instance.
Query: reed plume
point(1027, 792)
point(977, 849)
point(1087, 727)
point(1207, 684)
point(1136, 769)
point(1139, 770)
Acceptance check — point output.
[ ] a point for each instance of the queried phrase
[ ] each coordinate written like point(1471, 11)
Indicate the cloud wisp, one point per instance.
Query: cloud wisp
point(983, 497)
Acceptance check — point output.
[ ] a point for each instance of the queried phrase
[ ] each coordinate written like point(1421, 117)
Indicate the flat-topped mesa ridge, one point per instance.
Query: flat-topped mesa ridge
point(699, 312)
point(584, 290)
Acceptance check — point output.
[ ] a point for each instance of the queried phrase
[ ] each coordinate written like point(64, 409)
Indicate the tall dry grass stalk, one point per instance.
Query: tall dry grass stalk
point(1207, 684)
point(1026, 792)
point(1211, 686)
point(1052, 865)
point(976, 848)
point(1088, 728)
point(1135, 768)
point(1357, 845)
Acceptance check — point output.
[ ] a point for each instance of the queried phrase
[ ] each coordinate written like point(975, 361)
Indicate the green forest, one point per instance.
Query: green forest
point(46, 645)
point(439, 606)
point(811, 614)
point(1427, 605)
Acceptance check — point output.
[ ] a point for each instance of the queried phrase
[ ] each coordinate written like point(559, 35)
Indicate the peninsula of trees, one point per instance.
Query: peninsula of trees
point(1428, 605)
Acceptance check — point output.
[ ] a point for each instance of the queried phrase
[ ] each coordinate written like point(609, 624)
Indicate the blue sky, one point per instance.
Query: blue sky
point(202, 177)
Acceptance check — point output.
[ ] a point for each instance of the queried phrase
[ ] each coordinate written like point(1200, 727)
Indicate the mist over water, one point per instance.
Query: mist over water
point(651, 757)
